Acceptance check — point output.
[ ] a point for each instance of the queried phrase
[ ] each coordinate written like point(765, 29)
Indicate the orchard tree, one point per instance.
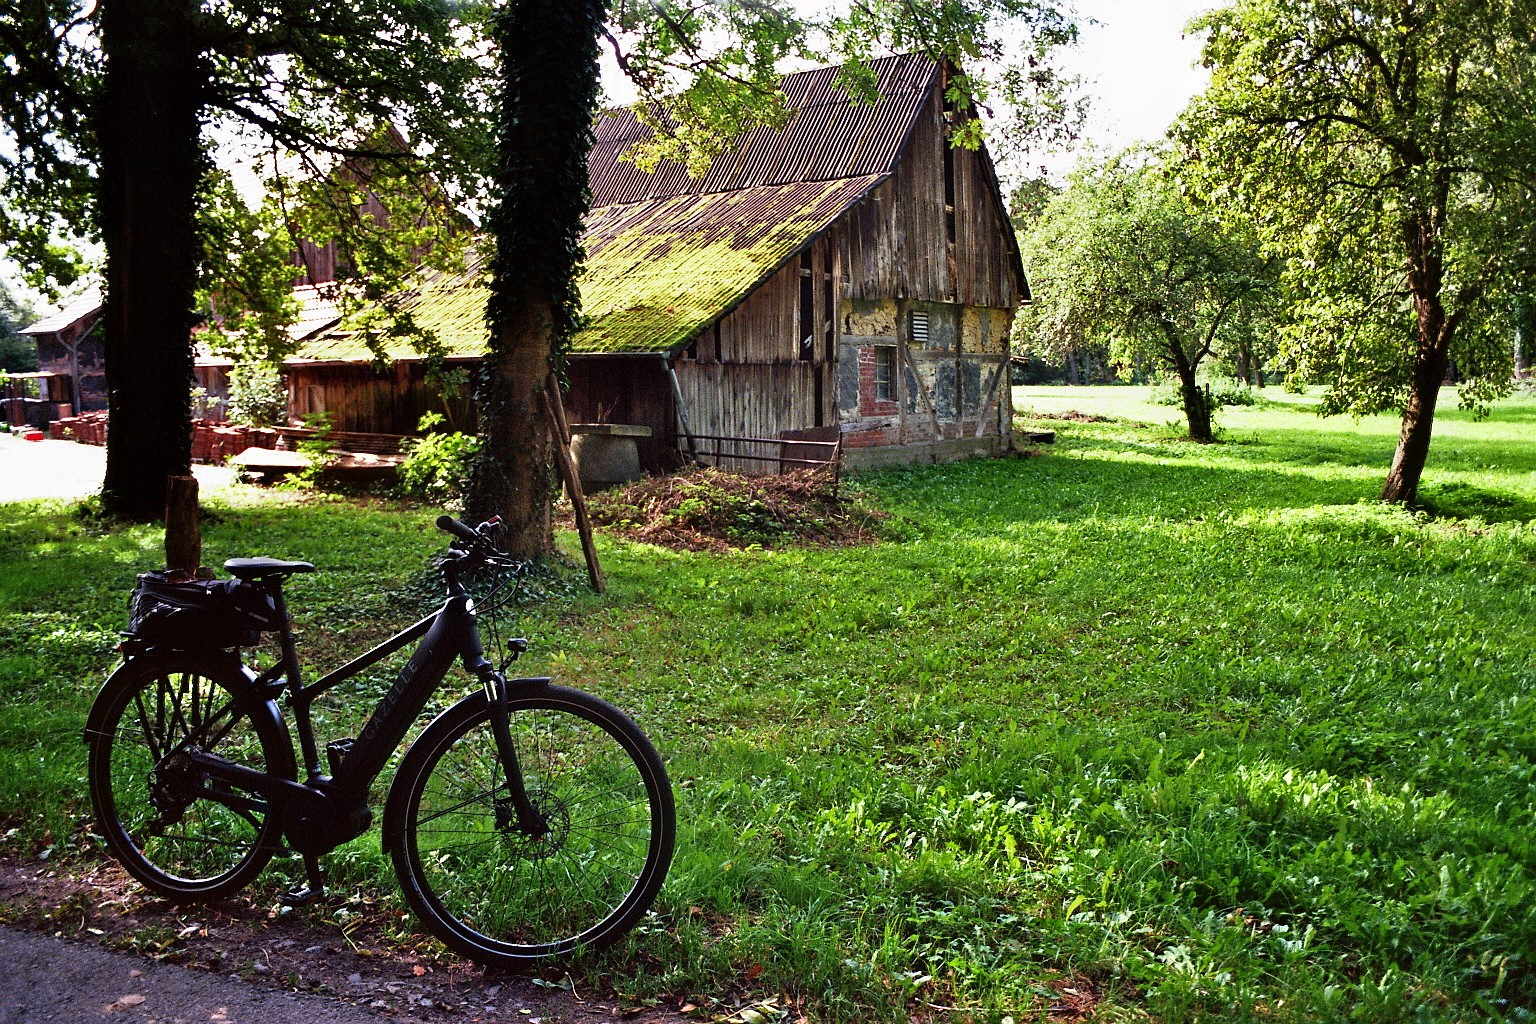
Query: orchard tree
point(1385, 147)
point(1124, 256)
point(109, 105)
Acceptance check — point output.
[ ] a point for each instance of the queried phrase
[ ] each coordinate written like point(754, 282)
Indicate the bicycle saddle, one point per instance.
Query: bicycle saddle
point(260, 568)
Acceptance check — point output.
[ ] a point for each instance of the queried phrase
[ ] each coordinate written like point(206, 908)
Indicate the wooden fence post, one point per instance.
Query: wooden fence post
point(183, 532)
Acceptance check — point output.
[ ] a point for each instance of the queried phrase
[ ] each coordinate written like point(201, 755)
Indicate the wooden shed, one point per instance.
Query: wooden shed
point(850, 271)
point(68, 344)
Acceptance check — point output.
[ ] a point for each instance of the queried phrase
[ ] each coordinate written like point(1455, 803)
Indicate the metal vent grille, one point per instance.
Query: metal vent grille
point(918, 328)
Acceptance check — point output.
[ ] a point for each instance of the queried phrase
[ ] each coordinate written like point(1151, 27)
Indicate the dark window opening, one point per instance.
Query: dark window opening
point(885, 372)
point(807, 308)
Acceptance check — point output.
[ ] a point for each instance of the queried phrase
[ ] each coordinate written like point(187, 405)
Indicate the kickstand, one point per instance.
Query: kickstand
point(303, 895)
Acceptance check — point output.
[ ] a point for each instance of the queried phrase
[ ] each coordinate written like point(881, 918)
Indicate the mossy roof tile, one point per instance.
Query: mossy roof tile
point(657, 273)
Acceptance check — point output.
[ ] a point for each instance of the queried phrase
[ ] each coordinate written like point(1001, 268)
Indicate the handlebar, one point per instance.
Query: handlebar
point(463, 531)
point(474, 546)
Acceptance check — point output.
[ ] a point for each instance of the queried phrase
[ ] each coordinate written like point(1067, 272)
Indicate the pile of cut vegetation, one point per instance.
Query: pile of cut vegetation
point(1073, 416)
point(707, 509)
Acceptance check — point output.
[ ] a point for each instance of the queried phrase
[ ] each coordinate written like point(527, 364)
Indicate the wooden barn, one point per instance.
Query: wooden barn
point(848, 274)
point(67, 343)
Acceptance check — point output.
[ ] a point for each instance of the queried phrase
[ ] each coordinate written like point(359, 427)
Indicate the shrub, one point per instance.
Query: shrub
point(1222, 391)
point(437, 466)
point(257, 395)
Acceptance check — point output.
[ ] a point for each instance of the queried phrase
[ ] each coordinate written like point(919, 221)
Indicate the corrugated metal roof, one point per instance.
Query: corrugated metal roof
point(450, 306)
point(87, 304)
point(830, 136)
point(656, 275)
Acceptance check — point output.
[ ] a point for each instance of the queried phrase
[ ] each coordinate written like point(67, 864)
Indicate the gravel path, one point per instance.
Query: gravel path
point(47, 979)
point(64, 469)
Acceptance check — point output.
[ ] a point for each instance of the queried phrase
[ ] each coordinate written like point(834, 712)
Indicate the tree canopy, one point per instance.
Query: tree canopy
point(1384, 146)
point(1124, 256)
point(109, 108)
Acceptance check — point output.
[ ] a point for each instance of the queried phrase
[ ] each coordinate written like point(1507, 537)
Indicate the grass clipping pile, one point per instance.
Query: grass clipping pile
point(710, 510)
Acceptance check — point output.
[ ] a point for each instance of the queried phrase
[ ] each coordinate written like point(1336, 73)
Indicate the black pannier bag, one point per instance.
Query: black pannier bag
point(171, 609)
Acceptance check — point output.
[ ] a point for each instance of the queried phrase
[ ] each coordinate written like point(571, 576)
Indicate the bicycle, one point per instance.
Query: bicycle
point(527, 821)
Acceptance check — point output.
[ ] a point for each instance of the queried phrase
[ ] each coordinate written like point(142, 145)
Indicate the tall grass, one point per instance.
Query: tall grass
point(1203, 731)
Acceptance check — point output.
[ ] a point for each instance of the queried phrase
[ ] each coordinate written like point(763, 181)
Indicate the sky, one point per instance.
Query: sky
point(1139, 68)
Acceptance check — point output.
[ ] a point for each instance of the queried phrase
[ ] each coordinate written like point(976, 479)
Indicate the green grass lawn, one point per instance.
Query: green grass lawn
point(1202, 730)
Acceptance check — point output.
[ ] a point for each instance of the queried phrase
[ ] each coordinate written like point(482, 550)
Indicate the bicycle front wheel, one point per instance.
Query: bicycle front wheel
point(183, 834)
point(492, 891)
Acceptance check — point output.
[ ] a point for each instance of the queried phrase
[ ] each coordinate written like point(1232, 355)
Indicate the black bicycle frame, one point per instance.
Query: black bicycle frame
point(446, 634)
point(322, 812)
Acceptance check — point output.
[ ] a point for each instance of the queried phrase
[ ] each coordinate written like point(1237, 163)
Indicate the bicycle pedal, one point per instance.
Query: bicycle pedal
point(313, 889)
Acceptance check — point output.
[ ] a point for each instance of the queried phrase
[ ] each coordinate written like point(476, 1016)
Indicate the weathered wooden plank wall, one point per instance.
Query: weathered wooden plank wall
point(359, 398)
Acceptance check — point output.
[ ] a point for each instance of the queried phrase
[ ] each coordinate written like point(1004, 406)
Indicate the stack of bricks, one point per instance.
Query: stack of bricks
point(214, 442)
point(89, 428)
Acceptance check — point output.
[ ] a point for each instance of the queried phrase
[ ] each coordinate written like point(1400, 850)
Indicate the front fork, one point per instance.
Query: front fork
point(525, 818)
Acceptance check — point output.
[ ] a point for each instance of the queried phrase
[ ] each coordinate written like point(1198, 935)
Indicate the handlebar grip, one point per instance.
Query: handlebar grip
point(463, 531)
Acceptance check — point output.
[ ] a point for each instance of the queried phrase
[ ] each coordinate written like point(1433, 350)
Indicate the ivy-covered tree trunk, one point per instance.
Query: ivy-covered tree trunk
point(151, 162)
point(548, 53)
point(1197, 410)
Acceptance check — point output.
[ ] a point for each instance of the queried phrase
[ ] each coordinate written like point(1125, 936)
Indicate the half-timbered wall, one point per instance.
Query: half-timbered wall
point(76, 351)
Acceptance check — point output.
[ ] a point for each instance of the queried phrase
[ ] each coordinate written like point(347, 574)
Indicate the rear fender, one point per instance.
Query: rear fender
point(223, 665)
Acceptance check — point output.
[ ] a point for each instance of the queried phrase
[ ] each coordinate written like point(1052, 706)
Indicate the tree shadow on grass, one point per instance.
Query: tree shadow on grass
point(1458, 501)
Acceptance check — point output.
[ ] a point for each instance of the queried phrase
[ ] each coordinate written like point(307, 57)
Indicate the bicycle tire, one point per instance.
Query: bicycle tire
point(500, 897)
point(180, 845)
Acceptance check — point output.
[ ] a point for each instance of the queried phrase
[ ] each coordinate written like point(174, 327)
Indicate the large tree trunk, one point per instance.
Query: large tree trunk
point(1431, 356)
point(1429, 365)
point(515, 476)
point(548, 52)
point(151, 162)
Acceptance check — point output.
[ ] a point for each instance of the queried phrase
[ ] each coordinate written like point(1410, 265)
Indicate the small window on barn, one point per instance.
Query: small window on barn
point(885, 373)
point(918, 328)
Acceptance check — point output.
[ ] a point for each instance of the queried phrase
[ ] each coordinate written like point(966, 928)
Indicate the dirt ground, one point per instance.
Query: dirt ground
point(369, 961)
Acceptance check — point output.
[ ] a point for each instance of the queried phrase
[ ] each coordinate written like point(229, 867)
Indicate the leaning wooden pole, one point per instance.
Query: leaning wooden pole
point(562, 432)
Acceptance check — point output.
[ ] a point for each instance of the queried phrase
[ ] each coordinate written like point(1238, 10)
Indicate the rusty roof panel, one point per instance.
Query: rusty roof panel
point(829, 137)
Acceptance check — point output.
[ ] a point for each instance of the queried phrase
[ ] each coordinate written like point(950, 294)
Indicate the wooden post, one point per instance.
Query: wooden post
point(556, 410)
point(183, 534)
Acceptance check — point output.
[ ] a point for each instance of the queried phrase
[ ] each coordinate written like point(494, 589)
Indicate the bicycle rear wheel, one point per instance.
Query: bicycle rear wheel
point(490, 891)
point(184, 835)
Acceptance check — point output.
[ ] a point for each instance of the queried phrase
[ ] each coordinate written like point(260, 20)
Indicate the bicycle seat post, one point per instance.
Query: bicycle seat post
point(269, 574)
